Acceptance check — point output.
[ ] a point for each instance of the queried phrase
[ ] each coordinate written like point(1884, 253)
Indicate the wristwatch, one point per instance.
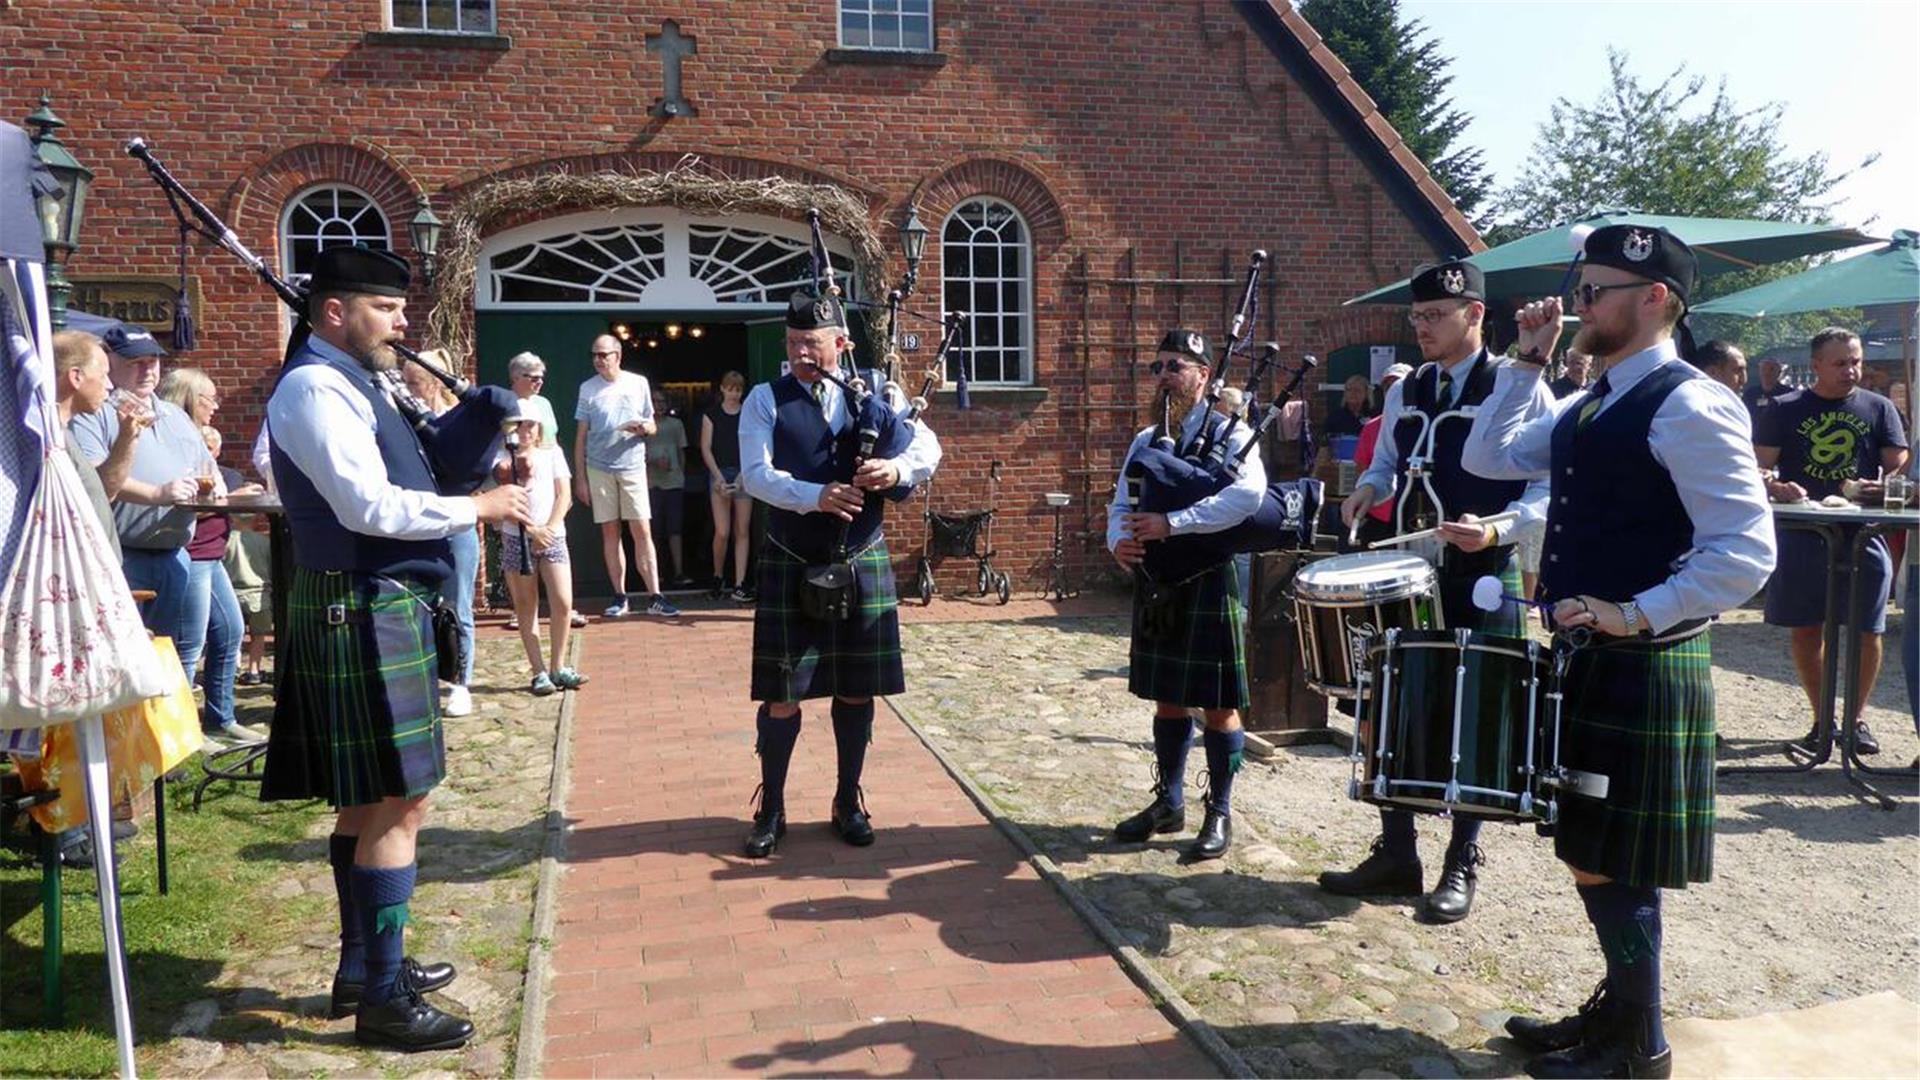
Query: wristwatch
point(1630, 614)
point(1532, 356)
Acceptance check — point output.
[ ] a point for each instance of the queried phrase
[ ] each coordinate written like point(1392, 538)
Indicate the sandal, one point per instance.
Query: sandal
point(542, 685)
point(568, 679)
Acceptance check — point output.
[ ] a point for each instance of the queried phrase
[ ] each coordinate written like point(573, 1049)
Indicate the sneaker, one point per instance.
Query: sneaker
point(249, 678)
point(748, 594)
point(617, 610)
point(542, 685)
point(459, 702)
point(719, 590)
point(1863, 740)
point(663, 609)
point(513, 622)
point(740, 595)
point(568, 679)
point(577, 619)
point(234, 733)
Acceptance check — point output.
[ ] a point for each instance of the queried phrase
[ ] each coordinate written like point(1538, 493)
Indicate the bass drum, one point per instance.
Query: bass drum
point(1455, 722)
point(1363, 594)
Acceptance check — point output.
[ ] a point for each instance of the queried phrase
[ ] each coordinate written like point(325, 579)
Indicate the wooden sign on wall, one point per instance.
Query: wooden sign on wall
point(145, 300)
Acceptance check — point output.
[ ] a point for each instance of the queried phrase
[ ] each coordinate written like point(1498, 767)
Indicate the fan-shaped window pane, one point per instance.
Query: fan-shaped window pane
point(745, 266)
point(327, 217)
point(987, 262)
point(598, 266)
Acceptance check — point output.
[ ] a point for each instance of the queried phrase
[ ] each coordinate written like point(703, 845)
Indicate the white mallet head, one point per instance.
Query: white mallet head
point(1488, 594)
point(1577, 237)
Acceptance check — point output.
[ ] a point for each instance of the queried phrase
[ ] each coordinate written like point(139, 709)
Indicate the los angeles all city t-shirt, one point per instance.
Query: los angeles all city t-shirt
point(1825, 442)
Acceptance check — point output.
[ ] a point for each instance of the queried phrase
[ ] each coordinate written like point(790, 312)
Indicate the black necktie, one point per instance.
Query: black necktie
point(1592, 405)
point(1446, 389)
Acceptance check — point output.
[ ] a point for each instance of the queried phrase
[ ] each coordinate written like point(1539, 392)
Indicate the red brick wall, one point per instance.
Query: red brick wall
point(1118, 129)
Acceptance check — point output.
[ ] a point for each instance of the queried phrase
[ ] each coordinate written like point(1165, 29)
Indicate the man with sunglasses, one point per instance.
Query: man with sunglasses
point(1422, 418)
point(1188, 650)
point(1657, 523)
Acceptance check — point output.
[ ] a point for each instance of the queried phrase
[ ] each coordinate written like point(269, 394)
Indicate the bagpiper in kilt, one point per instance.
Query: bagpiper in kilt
point(1188, 648)
point(1425, 418)
point(827, 622)
point(1656, 523)
point(356, 714)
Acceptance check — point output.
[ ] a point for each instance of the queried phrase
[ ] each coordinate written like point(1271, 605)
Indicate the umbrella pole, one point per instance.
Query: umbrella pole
point(93, 748)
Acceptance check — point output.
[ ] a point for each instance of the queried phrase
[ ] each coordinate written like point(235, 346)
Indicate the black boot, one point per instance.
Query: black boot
point(769, 825)
point(1160, 816)
point(1216, 835)
point(1380, 875)
point(1452, 898)
point(1615, 1047)
point(426, 978)
point(407, 1023)
point(1566, 1031)
point(850, 822)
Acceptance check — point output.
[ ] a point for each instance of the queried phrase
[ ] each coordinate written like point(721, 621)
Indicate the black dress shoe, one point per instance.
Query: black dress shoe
point(767, 830)
point(1216, 835)
point(1452, 899)
point(1535, 1034)
point(407, 1023)
point(1379, 875)
point(850, 821)
point(424, 978)
point(1864, 743)
point(1160, 816)
point(1617, 1047)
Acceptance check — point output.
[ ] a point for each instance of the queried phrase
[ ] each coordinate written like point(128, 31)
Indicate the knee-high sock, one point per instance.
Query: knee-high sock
point(353, 944)
point(382, 895)
point(1224, 750)
point(852, 731)
point(1171, 738)
point(1466, 830)
point(775, 747)
point(1396, 828)
point(1626, 919)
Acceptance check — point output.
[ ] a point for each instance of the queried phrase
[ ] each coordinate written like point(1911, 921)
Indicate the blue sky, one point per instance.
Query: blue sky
point(1845, 71)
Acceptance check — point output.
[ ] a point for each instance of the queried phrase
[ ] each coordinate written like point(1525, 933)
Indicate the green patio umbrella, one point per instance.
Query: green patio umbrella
point(1890, 275)
point(1534, 266)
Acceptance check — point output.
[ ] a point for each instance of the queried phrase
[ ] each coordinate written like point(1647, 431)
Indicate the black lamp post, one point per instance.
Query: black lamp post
point(913, 241)
point(61, 212)
point(425, 229)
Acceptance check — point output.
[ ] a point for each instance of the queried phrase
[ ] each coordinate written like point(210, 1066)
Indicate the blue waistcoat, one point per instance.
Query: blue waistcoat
point(1460, 491)
point(807, 449)
point(1615, 522)
point(320, 542)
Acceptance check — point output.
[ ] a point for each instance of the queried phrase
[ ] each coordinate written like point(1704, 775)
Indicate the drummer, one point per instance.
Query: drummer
point(1449, 306)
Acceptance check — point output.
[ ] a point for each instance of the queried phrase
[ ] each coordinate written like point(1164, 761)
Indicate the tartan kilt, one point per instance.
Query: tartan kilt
point(1202, 663)
point(1457, 607)
point(356, 716)
point(1643, 715)
point(796, 658)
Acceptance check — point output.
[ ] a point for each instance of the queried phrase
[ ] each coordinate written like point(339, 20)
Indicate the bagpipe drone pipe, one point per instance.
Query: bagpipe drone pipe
point(460, 443)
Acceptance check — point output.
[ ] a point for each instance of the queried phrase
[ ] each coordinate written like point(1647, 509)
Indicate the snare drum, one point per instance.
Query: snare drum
point(1367, 592)
point(1456, 721)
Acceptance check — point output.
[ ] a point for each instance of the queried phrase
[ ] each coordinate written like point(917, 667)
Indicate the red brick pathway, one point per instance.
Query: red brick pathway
point(937, 951)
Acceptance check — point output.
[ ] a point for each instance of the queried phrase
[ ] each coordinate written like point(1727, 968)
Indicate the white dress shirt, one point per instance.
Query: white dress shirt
point(323, 422)
point(777, 487)
point(1700, 435)
point(1383, 473)
point(1222, 510)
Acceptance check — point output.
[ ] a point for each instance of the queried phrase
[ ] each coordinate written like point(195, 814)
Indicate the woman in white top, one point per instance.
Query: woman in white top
point(537, 555)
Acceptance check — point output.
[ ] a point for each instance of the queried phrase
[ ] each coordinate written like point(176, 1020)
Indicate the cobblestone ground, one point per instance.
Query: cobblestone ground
point(480, 858)
point(1812, 899)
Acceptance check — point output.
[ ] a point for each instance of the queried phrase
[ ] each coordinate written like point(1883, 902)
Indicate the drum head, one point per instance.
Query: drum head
point(1364, 577)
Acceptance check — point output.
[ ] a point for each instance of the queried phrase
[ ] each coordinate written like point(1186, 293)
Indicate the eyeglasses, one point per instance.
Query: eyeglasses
point(1171, 367)
point(1587, 294)
point(539, 378)
point(1430, 317)
point(605, 352)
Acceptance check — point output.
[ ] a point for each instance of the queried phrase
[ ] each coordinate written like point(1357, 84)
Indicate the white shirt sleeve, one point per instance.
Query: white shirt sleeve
point(1232, 504)
point(263, 458)
point(1119, 508)
point(1510, 440)
point(921, 458)
point(1532, 503)
point(1702, 435)
point(772, 486)
point(326, 428)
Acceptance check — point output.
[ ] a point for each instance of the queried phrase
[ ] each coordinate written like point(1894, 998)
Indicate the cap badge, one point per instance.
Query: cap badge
point(1638, 246)
point(823, 312)
point(1194, 344)
point(1454, 281)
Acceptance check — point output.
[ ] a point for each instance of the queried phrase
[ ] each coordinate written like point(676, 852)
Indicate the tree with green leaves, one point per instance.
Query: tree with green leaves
point(1671, 147)
point(1399, 64)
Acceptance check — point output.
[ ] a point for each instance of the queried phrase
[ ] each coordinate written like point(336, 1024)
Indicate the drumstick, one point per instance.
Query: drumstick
point(1408, 538)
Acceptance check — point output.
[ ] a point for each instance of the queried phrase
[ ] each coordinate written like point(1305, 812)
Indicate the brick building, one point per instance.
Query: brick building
point(1090, 175)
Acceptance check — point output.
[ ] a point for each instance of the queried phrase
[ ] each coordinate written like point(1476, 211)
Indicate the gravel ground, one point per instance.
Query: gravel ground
point(1813, 897)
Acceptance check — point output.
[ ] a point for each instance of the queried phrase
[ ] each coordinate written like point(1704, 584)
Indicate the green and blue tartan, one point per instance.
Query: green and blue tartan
point(356, 716)
point(1642, 714)
point(1203, 663)
point(796, 658)
point(1457, 607)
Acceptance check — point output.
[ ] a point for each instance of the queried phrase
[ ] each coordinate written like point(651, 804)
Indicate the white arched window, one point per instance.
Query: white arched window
point(986, 261)
point(325, 217)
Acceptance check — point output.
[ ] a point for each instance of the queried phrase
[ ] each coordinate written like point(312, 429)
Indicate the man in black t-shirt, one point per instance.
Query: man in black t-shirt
point(1819, 438)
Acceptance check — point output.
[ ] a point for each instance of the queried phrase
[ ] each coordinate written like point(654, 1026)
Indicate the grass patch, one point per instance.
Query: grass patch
point(223, 862)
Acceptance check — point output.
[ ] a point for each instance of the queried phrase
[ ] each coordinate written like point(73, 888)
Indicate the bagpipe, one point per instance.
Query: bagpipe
point(1161, 479)
point(460, 443)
